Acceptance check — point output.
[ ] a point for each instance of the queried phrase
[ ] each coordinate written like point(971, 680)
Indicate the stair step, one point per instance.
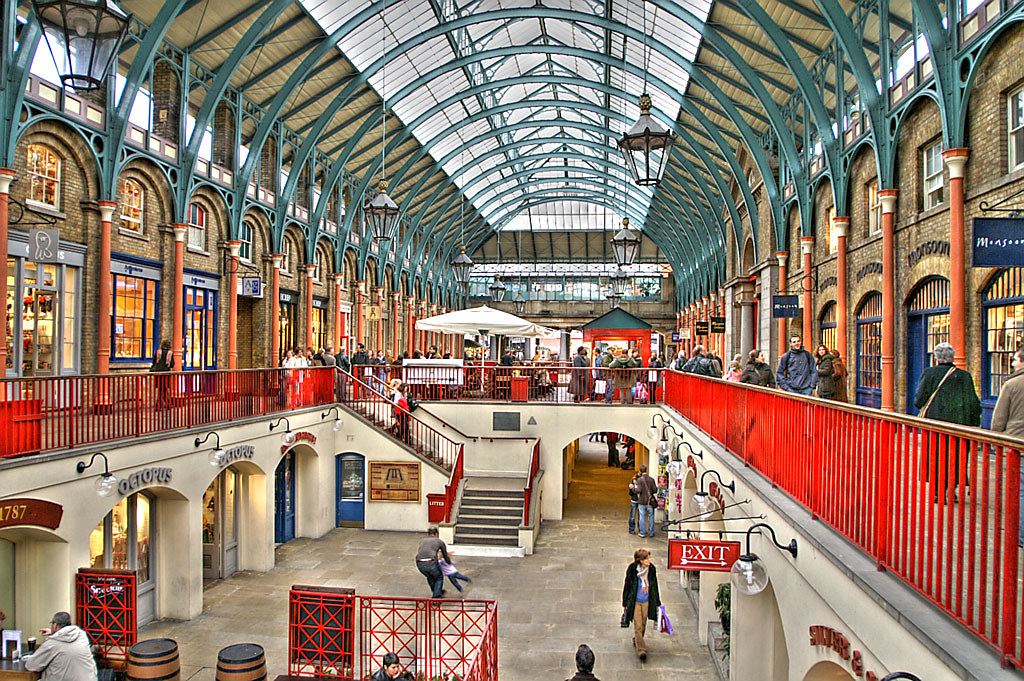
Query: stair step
point(490, 530)
point(480, 519)
point(501, 493)
point(490, 541)
point(491, 502)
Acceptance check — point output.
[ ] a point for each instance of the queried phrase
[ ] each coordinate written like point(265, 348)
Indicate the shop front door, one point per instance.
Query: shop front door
point(284, 500)
point(220, 526)
point(350, 477)
point(40, 312)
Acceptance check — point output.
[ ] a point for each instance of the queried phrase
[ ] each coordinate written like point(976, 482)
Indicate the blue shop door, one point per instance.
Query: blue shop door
point(917, 357)
point(350, 480)
point(284, 500)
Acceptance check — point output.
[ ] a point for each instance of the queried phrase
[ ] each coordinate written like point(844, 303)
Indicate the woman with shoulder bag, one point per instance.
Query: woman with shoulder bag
point(640, 598)
point(163, 362)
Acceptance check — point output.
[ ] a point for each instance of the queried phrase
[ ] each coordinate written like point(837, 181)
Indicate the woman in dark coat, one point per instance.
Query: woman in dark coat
point(839, 376)
point(946, 393)
point(580, 383)
point(640, 597)
point(757, 371)
point(826, 373)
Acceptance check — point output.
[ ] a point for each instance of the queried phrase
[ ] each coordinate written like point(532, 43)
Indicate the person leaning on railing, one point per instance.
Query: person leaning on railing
point(1008, 416)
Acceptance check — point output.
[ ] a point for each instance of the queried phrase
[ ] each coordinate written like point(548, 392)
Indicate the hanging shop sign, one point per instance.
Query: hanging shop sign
point(42, 245)
point(784, 307)
point(394, 481)
point(827, 637)
point(30, 512)
point(252, 287)
point(676, 336)
point(933, 247)
point(702, 328)
point(997, 242)
point(372, 313)
point(702, 555)
point(718, 325)
point(142, 478)
point(684, 333)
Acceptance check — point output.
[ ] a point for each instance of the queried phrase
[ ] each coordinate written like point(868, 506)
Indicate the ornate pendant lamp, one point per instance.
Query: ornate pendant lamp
point(646, 147)
point(83, 37)
point(382, 212)
point(497, 290)
point(619, 280)
point(462, 266)
point(625, 245)
point(519, 302)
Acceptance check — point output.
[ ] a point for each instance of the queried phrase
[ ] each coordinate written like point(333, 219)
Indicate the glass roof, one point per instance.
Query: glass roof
point(573, 106)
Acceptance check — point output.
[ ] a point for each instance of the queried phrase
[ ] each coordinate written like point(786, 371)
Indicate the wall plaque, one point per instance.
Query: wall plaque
point(505, 420)
point(394, 481)
point(30, 512)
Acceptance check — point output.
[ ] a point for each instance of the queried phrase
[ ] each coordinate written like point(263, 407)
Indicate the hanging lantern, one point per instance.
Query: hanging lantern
point(646, 146)
point(613, 300)
point(462, 267)
point(83, 37)
point(619, 280)
point(626, 245)
point(519, 302)
point(382, 214)
point(497, 290)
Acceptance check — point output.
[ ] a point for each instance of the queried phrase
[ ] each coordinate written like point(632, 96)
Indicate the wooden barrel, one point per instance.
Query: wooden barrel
point(155, 659)
point(241, 662)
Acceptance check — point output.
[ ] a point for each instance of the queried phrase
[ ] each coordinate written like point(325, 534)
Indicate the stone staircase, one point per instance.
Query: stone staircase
point(491, 512)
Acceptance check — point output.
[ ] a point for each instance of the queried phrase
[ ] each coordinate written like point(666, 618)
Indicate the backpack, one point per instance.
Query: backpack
point(413, 403)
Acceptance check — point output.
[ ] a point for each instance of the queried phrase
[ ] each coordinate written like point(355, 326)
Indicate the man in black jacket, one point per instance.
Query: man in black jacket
point(640, 597)
point(584, 664)
point(360, 359)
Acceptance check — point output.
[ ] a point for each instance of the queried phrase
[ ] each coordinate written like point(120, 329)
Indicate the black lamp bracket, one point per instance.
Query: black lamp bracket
point(699, 455)
point(81, 466)
point(791, 547)
point(731, 486)
point(335, 409)
point(287, 424)
point(200, 441)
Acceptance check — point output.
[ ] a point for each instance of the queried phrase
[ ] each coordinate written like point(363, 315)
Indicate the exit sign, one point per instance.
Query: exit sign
point(702, 555)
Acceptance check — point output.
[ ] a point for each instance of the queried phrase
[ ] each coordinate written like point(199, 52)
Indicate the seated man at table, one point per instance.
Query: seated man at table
point(65, 655)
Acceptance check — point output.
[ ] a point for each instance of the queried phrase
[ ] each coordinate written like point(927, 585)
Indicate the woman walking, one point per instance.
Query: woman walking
point(757, 371)
point(640, 598)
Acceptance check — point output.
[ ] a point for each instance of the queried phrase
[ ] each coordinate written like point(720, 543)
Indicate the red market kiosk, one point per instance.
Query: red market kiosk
point(618, 326)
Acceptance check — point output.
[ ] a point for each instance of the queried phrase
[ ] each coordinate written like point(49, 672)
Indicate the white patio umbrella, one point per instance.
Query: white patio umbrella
point(485, 321)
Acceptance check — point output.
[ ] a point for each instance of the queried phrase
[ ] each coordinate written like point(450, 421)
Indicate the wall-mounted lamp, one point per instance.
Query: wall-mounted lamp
point(288, 437)
point(338, 423)
point(701, 503)
point(901, 675)
point(684, 443)
point(217, 455)
point(106, 484)
point(653, 432)
point(748, 574)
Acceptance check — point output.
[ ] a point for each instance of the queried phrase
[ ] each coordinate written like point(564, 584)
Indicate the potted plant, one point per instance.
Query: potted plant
point(723, 604)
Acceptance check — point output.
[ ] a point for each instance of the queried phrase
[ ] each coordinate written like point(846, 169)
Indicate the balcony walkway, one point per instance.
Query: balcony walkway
point(578, 567)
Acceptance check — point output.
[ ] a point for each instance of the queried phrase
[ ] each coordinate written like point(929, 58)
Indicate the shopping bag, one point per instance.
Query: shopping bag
point(640, 392)
point(663, 624)
point(600, 386)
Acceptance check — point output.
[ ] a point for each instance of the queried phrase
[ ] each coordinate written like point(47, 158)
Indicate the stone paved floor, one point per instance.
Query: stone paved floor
point(567, 593)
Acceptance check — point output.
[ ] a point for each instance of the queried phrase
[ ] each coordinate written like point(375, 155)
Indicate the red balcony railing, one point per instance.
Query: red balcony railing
point(377, 408)
point(451, 490)
point(339, 635)
point(46, 414)
point(936, 504)
point(528, 490)
point(527, 383)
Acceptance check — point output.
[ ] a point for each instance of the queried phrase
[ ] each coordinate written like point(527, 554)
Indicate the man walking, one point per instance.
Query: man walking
point(700, 364)
point(1008, 416)
point(797, 371)
point(584, 664)
point(613, 448)
point(426, 561)
point(647, 498)
point(360, 359)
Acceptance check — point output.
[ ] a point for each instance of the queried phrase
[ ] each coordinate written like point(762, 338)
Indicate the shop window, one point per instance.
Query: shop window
point(318, 273)
point(320, 328)
point(869, 351)
point(1004, 328)
point(874, 208)
point(200, 347)
point(196, 226)
point(932, 167)
point(286, 252)
point(132, 203)
point(70, 348)
point(833, 236)
point(827, 326)
point(123, 539)
point(286, 327)
point(135, 318)
point(245, 238)
point(1015, 130)
point(43, 176)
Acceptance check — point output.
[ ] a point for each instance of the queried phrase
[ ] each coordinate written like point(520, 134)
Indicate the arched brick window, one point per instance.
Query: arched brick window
point(133, 201)
point(44, 176)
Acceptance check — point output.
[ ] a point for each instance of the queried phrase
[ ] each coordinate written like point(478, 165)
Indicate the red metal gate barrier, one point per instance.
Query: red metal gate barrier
point(937, 504)
point(336, 634)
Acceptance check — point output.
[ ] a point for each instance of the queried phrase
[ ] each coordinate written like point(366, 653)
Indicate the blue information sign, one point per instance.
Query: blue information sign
point(676, 337)
point(997, 242)
point(785, 306)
